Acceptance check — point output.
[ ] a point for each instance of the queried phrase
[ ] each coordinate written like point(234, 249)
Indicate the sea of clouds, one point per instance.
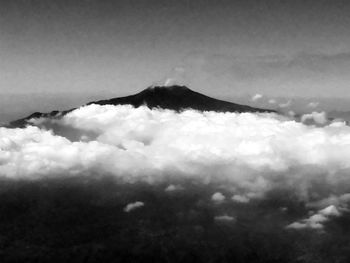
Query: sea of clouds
point(250, 154)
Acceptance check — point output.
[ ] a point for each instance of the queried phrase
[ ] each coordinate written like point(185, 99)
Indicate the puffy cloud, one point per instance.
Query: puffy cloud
point(257, 97)
point(272, 101)
point(329, 211)
point(172, 188)
point(132, 206)
point(340, 202)
point(317, 117)
point(218, 197)
point(317, 220)
point(252, 153)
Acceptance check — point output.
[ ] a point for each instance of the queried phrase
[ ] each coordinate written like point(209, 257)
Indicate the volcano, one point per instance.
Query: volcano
point(178, 98)
point(175, 97)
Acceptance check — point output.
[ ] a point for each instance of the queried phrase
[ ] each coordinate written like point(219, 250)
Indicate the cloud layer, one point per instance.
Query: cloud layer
point(250, 154)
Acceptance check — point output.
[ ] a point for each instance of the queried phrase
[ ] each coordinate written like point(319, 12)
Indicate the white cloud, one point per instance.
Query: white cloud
point(172, 188)
point(257, 97)
point(169, 82)
point(132, 206)
point(330, 211)
point(317, 220)
point(253, 153)
point(317, 117)
point(218, 197)
point(272, 101)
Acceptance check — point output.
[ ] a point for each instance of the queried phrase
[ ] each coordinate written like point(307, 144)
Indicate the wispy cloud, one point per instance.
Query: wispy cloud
point(256, 97)
point(317, 220)
point(132, 206)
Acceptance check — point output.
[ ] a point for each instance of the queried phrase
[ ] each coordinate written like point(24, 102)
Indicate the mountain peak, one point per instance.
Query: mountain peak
point(173, 88)
point(178, 98)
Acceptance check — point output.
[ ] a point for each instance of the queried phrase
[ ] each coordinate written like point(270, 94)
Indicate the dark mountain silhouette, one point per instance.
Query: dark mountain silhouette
point(173, 97)
point(178, 98)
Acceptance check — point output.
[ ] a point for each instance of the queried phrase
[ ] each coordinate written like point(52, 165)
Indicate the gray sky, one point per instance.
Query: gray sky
point(222, 48)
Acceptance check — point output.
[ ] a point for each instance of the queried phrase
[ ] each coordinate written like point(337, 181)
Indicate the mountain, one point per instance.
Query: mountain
point(178, 98)
point(173, 97)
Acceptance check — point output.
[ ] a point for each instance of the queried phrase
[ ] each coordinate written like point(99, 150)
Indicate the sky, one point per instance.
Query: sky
point(221, 48)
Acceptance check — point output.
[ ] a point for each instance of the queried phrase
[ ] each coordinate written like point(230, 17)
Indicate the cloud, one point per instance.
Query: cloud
point(313, 104)
point(272, 101)
point(317, 117)
point(169, 82)
point(329, 211)
point(256, 97)
point(172, 188)
point(286, 104)
point(240, 199)
point(339, 201)
point(132, 206)
point(218, 197)
point(317, 220)
point(291, 113)
point(251, 153)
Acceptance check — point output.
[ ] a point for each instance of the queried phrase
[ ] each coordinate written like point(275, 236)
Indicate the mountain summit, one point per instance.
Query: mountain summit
point(166, 97)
